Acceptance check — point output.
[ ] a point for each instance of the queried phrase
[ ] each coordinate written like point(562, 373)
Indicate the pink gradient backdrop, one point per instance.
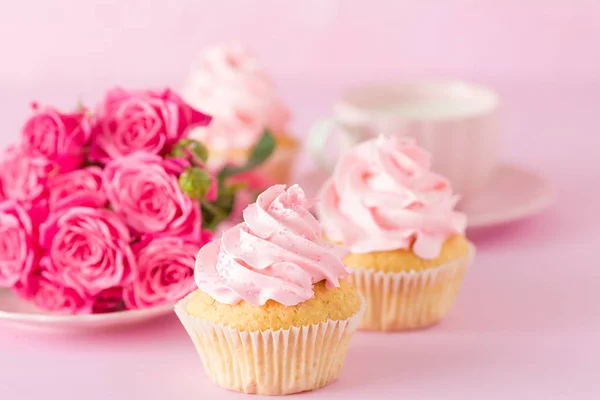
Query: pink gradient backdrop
point(340, 40)
point(527, 321)
point(62, 49)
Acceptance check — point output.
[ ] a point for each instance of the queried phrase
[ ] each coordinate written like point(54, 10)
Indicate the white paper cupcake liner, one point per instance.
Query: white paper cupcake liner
point(409, 300)
point(271, 362)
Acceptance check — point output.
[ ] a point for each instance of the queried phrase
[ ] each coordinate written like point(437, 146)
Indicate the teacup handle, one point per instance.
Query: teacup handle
point(318, 137)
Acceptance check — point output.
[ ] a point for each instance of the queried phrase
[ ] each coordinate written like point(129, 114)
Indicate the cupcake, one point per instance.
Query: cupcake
point(231, 85)
point(274, 311)
point(407, 246)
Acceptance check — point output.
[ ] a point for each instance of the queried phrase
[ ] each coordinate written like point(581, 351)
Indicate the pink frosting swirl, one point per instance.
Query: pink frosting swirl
point(383, 196)
point(277, 253)
point(230, 84)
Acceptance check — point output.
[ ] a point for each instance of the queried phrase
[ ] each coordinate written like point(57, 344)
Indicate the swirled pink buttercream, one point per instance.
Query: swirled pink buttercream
point(231, 85)
point(383, 196)
point(277, 253)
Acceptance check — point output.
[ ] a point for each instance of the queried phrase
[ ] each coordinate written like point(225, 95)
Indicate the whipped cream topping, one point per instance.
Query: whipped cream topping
point(383, 196)
point(231, 85)
point(277, 253)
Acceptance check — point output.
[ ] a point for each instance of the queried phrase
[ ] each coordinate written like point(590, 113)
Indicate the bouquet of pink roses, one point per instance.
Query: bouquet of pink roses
point(104, 212)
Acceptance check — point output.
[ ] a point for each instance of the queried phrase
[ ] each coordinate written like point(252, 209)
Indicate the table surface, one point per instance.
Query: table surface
point(526, 324)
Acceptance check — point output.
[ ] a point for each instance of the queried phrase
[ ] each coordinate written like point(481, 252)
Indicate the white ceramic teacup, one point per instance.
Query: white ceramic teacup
point(456, 121)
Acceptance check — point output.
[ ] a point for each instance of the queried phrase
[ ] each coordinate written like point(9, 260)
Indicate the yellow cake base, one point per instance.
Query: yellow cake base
point(335, 304)
point(403, 260)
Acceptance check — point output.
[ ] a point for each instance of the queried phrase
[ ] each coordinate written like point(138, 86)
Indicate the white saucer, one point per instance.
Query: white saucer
point(512, 194)
point(17, 311)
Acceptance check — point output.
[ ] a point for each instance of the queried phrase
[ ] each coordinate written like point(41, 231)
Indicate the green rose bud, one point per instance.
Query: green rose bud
point(193, 146)
point(195, 182)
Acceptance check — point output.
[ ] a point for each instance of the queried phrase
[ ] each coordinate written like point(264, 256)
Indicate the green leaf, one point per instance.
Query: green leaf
point(219, 210)
point(262, 150)
point(259, 154)
point(195, 182)
point(216, 212)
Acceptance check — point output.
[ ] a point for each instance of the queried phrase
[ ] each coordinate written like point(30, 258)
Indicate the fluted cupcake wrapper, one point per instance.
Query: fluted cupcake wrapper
point(271, 362)
point(409, 300)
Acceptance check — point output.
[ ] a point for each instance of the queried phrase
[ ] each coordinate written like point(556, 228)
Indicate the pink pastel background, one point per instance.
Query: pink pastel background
point(527, 322)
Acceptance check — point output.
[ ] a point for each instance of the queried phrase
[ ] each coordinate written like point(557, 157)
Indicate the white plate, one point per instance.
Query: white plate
point(17, 311)
point(513, 193)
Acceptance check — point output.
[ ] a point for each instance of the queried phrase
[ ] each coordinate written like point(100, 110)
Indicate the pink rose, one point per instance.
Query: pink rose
point(24, 179)
point(61, 138)
point(50, 294)
point(175, 166)
point(82, 187)
point(17, 247)
point(166, 272)
point(149, 199)
point(88, 249)
point(143, 120)
point(213, 190)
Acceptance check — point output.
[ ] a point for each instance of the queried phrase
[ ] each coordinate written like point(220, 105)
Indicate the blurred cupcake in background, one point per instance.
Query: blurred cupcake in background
point(229, 83)
point(397, 218)
point(274, 311)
